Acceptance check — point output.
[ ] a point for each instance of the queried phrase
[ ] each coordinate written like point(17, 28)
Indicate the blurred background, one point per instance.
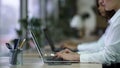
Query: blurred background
point(65, 20)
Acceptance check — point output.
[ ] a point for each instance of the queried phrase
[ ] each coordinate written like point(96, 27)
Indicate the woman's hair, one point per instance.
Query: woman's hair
point(108, 14)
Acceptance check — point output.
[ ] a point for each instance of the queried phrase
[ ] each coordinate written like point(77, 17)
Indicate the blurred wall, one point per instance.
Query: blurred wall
point(86, 7)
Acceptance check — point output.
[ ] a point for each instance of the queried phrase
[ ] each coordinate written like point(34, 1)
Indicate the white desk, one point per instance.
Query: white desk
point(33, 61)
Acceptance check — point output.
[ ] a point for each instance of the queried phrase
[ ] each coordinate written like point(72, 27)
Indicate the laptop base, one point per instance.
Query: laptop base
point(58, 63)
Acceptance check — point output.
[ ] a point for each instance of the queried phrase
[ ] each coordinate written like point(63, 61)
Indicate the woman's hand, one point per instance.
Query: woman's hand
point(68, 55)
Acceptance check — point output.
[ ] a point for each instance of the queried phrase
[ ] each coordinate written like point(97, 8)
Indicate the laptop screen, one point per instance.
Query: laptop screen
point(48, 38)
point(40, 42)
point(36, 43)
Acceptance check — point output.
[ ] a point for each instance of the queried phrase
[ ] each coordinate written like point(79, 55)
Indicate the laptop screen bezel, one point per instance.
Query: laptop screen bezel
point(37, 45)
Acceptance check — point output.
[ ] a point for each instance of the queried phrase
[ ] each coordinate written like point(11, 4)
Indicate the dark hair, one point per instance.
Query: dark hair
point(108, 14)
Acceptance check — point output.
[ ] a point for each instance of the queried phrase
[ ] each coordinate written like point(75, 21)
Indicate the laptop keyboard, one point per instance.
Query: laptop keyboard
point(51, 58)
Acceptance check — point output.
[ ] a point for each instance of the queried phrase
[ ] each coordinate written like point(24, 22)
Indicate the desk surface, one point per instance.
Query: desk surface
point(33, 61)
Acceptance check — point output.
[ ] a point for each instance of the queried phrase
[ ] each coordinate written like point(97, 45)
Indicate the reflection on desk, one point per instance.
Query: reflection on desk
point(32, 61)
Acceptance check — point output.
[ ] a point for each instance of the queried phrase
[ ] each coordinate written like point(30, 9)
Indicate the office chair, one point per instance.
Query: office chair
point(113, 65)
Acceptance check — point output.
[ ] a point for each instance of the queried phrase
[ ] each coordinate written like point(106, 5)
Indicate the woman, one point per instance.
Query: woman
point(111, 51)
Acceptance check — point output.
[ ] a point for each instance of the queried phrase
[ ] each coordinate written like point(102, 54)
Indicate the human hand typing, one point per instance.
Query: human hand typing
point(68, 55)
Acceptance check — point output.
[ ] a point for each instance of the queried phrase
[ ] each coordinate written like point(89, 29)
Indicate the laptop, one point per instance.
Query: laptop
point(49, 59)
point(51, 44)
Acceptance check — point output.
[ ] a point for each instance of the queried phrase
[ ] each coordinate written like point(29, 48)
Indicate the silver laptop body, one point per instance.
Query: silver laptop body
point(43, 55)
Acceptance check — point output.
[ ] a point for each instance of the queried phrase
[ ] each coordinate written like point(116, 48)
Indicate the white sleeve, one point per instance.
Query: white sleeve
point(111, 51)
point(107, 55)
point(93, 46)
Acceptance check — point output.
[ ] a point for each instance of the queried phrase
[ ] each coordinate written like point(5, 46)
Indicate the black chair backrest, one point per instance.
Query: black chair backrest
point(113, 65)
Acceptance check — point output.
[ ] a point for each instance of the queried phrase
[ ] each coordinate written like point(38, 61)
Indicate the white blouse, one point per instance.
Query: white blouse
point(107, 49)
